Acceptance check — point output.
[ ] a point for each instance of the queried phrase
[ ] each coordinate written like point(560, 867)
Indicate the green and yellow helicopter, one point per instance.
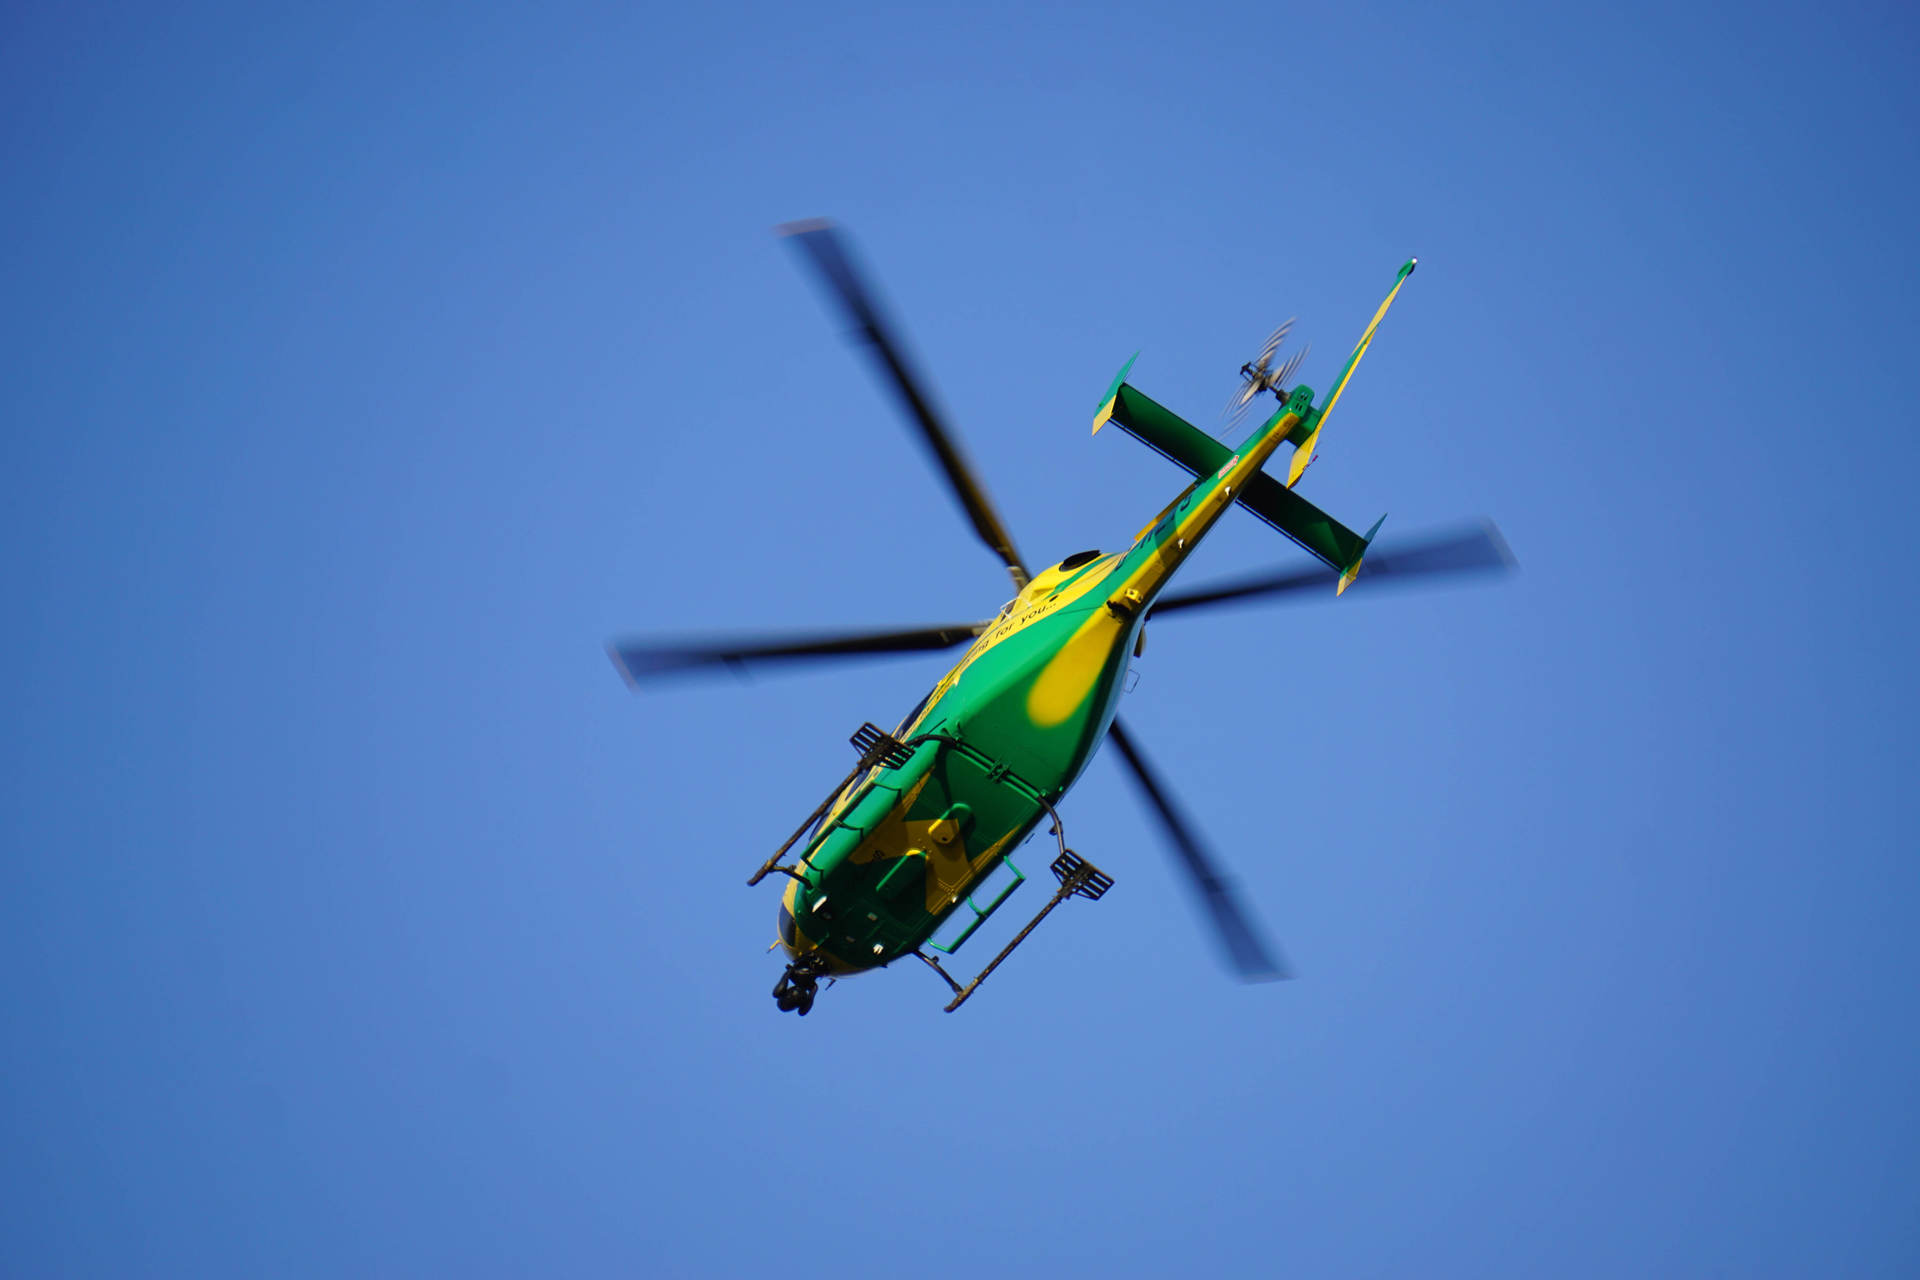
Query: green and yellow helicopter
point(910, 837)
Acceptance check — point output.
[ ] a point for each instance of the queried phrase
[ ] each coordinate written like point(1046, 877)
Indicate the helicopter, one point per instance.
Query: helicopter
point(910, 839)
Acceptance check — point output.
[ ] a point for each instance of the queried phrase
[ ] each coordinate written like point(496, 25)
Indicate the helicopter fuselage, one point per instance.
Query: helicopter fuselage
point(997, 742)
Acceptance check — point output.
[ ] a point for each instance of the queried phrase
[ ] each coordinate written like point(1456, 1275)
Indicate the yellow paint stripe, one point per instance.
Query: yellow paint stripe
point(1069, 676)
point(1301, 457)
point(1035, 604)
point(1155, 569)
point(1366, 340)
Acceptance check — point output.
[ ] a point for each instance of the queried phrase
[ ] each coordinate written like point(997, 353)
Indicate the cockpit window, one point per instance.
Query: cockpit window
point(914, 714)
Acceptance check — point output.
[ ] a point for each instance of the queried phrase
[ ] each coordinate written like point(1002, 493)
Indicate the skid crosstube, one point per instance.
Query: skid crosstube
point(1077, 876)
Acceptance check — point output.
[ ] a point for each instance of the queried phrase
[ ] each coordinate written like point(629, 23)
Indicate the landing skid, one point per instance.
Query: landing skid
point(876, 747)
point(1076, 876)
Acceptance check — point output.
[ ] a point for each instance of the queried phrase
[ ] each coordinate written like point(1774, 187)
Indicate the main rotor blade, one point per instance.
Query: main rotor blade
point(639, 660)
point(824, 247)
point(1245, 951)
point(1479, 549)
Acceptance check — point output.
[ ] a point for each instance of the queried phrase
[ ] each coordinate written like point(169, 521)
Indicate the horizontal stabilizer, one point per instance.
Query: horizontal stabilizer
point(1319, 534)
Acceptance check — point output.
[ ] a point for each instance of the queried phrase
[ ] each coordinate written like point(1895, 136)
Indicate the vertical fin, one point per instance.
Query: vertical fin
point(1105, 410)
point(1304, 454)
point(1301, 457)
point(1352, 571)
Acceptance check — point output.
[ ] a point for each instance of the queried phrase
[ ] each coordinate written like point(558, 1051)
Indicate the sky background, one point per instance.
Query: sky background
point(365, 370)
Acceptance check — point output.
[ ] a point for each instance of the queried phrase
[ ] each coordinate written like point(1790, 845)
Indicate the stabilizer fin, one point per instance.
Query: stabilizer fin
point(1105, 410)
point(1352, 571)
point(1303, 455)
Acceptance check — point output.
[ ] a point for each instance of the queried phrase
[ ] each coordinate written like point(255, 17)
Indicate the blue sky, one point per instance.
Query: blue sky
point(366, 370)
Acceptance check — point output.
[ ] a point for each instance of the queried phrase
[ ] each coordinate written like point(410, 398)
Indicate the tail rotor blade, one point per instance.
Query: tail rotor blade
point(1285, 375)
point(1237, 407)
point(1258, 376)
point(1247, 953)
point(1274, 341)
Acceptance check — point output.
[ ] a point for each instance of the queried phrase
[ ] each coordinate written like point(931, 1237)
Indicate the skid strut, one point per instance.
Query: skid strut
point(876, 747)
point(1076, 875)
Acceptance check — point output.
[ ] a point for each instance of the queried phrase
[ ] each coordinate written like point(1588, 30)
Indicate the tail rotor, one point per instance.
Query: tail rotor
point(1259, 375)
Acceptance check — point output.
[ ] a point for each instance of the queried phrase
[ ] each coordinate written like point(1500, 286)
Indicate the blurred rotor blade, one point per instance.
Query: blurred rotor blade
point(823, 245)
point(1255, 375)
point(1248, 955)
point(1237, 407)
point(640, 660)
point(1286, 370)
point(1274, 340)
point(1479, 549)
